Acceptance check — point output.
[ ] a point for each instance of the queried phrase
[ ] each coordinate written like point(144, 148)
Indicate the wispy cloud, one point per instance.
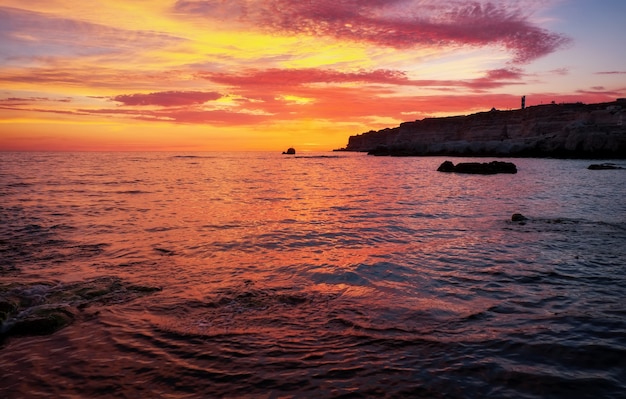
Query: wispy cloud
point(611, 73)
point(168, 98)
point(29, 34)
point(277, 79)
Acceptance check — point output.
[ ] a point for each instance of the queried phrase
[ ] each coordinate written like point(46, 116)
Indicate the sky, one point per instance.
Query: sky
point(229, 75)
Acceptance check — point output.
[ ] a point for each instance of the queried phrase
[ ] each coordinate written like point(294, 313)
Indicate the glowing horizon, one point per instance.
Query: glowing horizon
point(266, 75)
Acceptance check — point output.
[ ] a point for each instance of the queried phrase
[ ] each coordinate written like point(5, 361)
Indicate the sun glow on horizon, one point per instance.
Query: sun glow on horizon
point(249, 74)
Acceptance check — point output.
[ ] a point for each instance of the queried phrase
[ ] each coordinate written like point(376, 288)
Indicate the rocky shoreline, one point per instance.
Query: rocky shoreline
point(44, 307)
point(590, 131)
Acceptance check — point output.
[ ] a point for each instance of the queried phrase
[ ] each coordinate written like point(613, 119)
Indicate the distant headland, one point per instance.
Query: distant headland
point(553, 130)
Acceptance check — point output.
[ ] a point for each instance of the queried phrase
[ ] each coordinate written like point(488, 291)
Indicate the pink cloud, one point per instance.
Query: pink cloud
point(602, 94)
point(611, 73)
point(360, 105)
point(495, 78)
point(168, 98)
point(394, 23)
point(277, 79)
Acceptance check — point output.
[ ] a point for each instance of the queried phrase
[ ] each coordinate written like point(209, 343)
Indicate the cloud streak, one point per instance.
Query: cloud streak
point(168, 98)
point(278, 79)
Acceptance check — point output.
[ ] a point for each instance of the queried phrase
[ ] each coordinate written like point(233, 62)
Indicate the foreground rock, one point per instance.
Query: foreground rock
point(485, 168)
point(43, 308)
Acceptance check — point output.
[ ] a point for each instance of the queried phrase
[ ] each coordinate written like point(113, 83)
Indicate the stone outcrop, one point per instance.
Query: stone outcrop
point(478, 168)
point(554, 130)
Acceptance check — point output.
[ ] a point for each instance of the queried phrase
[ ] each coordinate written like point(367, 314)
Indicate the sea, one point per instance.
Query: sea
point(319, 275)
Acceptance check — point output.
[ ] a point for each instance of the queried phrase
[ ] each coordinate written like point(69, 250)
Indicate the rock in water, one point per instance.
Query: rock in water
point(604, 166)
point(485, 168)
point(518, 217)
point(290, 151)
point(43, 321)
point(447, 166)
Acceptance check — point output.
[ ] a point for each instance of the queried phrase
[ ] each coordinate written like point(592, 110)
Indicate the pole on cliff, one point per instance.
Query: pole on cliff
point(523, 102)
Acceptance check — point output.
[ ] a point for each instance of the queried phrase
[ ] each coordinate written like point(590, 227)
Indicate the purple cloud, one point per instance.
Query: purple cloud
point(168, 98)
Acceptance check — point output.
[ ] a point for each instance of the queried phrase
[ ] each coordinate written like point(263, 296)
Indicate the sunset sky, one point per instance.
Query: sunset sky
point(220, 75)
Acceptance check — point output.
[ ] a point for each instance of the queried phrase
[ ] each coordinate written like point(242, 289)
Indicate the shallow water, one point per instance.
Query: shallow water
point(319, 275)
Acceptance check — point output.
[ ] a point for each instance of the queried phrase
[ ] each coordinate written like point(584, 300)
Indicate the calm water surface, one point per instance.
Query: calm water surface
point(319, 275)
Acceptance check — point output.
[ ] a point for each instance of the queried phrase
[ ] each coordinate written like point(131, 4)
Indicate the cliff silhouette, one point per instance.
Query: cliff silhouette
point(553, 130)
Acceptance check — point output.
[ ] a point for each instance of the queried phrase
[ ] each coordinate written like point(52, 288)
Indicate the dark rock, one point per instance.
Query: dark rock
point(8, 307)
point(604, 166)
point(485, 168)
point(42, 322)
point(144, 288)
point(518, 217)
point(290, 151)
point(447, 166)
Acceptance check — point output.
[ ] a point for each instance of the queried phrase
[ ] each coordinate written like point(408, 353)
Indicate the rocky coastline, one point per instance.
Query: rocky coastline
point(589, 131)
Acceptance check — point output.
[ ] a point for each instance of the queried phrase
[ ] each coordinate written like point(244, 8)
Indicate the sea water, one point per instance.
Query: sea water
point(315, 275)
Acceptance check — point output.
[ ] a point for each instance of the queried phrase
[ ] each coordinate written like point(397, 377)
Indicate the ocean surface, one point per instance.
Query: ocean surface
point(335, 275)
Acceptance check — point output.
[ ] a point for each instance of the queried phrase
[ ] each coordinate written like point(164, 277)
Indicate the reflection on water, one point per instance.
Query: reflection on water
point(253, 274)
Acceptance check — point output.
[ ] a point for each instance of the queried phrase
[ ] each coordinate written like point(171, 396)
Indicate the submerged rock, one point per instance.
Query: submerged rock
point(41, 321)
point(604, 166)
point(485, 168)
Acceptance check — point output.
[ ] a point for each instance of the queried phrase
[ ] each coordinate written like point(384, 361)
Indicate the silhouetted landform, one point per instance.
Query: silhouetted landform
point(43, 308)
point(553, 130)
point(478, 168)
point(604, 166)
point(290, 151)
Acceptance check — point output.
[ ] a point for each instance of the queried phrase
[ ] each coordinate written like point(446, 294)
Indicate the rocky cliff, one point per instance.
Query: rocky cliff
point(554, 130)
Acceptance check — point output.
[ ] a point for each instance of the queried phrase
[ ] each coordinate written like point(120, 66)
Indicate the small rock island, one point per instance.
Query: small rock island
point(290, 151)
